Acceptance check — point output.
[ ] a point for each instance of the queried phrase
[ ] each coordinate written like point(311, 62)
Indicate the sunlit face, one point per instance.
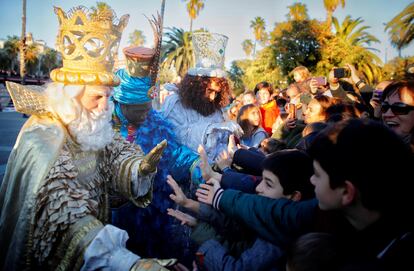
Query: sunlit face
point(401, 124)
point(254, 117)
point(313, 112)
point(270, 186)
point(263, 96)
point(293, 94)
point(298, 77)
point(249, 99)
point(329, 199)
point(95, 98)
point(331, 77)
point(212, 91)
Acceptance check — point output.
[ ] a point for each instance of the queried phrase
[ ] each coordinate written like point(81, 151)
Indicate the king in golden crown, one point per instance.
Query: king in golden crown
point(88, 42)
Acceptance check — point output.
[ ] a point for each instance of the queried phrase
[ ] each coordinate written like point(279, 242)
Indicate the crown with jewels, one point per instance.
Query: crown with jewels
point(209, 51)
point(88, 41)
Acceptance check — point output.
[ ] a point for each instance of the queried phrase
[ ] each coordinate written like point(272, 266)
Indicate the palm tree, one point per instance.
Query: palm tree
point(298, 12)
point(12, 47)
point(247, 47)
point(23, 45)
point(357, 38)
point(178, 50)
point(259, 26)
point(330, 6)
point(136, 38)
point(401, 28)
point(102, 9)
point(348, 31)
point(49, 60)
point(193, 8)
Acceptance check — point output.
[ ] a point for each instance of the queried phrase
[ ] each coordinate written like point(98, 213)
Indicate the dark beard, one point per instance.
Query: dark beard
point(202, 105)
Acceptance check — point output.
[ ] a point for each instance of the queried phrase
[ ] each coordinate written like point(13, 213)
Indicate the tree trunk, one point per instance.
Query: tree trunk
point(23, 46)
point(254, 48)
point(191, 25)
point(329, 20)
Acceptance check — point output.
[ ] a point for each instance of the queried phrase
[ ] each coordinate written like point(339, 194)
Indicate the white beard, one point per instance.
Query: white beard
point(92, 130)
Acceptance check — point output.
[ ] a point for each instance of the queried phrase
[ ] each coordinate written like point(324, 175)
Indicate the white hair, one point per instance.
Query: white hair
point(92, 130)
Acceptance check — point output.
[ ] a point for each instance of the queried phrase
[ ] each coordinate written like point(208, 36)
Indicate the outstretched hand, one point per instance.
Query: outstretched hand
point(149, 163)
point(185, 219)
point(232, 147)
point(205, 192)
point(178, 197)
point(224, 160)
point(206, 171)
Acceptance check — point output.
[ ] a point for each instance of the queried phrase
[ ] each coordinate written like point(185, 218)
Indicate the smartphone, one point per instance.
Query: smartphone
point(292, 110)
point(321, 80)
point(341, 73)
point(377, 94)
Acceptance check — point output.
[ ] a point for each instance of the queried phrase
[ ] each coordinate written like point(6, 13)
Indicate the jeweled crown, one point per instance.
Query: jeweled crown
point(209, 49)
point(88, 41)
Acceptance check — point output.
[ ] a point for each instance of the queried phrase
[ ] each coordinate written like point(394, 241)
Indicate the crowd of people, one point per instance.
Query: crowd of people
point(311, 177)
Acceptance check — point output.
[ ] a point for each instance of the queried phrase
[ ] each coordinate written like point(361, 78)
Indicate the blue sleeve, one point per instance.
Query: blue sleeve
point(257, 138)
point(261, 256)
point(181, 161)
point(277, 221)
point(239, 181)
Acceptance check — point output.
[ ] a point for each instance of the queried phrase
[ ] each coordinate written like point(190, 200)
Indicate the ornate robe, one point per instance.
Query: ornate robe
point(53, 199)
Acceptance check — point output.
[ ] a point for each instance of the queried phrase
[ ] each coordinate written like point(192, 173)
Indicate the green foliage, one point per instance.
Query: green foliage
point(297, 45)
point(262, 68)
point(297, 12)
point(396, 69)
point(401, 28)
point(137, 38)
point(166, 75)
point(259, 26)
point(102, 10)
point(350, 36)
point(235, 76)
point(49, 61)
point(247, 47)
point(11, 49)
point(193, 8)
point(178, 50)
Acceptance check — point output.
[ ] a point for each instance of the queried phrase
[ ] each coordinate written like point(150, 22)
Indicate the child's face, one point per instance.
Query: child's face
point(329, 199)
point(249, 99)
point(254, 117)
point(270, 186)
point(263, 96)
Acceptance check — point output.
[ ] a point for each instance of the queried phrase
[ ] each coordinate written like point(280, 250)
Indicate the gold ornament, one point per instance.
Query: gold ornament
point(88, 42)
point(28, 99)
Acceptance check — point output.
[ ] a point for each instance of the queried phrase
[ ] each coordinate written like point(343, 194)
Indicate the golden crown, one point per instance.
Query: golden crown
point(88, 41)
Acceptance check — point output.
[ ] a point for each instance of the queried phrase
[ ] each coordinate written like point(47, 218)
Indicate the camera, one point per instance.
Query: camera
point(341, 73)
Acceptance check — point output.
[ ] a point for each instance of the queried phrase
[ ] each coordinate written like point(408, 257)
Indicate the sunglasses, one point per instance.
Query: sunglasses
point(397, 108)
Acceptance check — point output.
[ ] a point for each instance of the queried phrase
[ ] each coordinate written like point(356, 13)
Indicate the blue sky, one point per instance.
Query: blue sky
point(228, 17)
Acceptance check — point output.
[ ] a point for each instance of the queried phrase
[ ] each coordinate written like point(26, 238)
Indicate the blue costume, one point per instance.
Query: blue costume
point(152, 232)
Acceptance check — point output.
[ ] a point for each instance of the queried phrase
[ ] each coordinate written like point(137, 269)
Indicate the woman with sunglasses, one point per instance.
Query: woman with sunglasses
point(397, 108)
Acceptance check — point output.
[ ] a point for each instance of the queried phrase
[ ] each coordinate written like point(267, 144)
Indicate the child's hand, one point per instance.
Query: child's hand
point(178, 197)
point(185, 219)
point(223, 160)
point(206, 192)
point(206, 171)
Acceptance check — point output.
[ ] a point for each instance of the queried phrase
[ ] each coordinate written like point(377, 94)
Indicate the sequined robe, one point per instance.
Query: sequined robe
point(53, 198)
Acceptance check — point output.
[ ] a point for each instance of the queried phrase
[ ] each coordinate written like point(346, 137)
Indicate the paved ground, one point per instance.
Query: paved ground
point(10, 124)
